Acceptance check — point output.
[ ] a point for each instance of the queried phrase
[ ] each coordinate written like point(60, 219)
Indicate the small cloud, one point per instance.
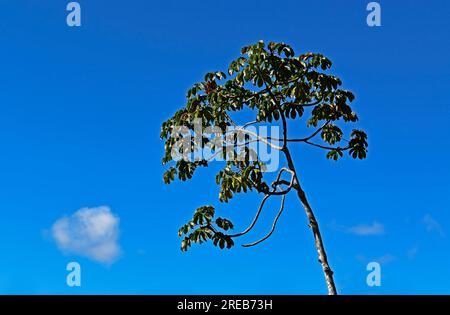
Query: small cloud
point(382, 260)
point(386, 259)
point(412, 252)
point(363, 229)
point(141, 252)
point(432, 225)
point(89, 232)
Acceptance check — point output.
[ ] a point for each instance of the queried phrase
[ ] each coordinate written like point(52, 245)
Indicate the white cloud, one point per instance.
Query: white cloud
point(432, 225)
point(363, 229)
point(89, 232)
point(412, 252)
point(141, 252)
point(383, 260)
point(386, 259)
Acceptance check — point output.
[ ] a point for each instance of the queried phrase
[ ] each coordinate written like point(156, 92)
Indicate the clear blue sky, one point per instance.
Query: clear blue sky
point(81, 110)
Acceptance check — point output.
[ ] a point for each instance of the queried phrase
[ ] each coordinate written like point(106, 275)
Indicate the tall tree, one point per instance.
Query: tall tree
point(276, 86)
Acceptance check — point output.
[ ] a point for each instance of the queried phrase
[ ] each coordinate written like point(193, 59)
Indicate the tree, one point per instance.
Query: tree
point(276, 86)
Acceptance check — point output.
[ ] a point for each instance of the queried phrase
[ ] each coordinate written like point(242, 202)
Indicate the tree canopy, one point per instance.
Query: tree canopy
point(276, 86)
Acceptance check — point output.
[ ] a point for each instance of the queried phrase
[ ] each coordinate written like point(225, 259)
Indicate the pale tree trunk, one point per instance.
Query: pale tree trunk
point(319, 243)
point(328, 273)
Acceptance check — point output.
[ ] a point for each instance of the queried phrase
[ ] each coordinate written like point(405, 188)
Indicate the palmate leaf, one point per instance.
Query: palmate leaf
point(202, 228)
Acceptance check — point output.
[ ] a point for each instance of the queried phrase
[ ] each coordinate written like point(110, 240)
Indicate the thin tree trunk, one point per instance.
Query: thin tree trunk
point(314, 227)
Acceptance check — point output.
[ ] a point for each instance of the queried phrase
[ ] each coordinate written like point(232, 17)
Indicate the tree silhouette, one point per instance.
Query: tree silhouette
point(272, 84)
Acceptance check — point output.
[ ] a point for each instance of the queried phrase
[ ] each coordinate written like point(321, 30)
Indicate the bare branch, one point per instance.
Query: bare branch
point(254, 220)
point(315, 133)
point(282, 193)
point(250, 123)
point(304, 105)
point(214, 155)
point(275, 184)
point(229, 118)
point(282, 182)
point(268, 86)
point(327, 147)
point(274, 225)
point(262, 139)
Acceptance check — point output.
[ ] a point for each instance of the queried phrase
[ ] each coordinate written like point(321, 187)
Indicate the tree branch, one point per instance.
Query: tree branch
point(303, 139)
point(283, 118)
point(262, 139)
point(275, 184)
point(273, 226)
point(304, 105)
point(229, 118)
point(254, 220)
point(282, 193)
point(327, 147)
